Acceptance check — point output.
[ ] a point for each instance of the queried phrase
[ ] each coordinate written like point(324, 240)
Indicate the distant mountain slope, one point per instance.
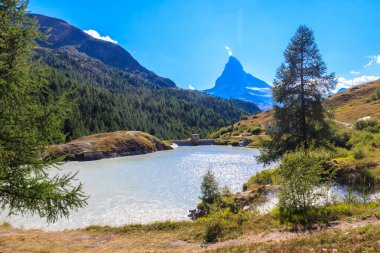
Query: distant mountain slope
point(357, 102)
point(236, 83)
point(63, 34)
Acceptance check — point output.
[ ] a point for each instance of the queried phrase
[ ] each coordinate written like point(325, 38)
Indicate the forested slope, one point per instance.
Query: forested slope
point(109, 99)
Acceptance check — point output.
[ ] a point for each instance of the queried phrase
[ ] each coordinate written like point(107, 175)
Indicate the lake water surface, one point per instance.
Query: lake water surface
point(146, 188)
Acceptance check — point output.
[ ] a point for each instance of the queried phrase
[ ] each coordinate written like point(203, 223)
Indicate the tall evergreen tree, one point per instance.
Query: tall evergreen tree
point(299, 86)
point(29, 122)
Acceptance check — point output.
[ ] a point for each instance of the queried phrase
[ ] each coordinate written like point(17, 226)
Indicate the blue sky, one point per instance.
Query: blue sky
point(186, 40)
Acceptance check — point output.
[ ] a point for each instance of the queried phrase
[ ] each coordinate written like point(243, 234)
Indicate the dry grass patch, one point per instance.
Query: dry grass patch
point(364, 239)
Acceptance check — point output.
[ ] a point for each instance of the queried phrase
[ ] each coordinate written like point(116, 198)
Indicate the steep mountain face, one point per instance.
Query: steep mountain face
point(62, 34)
point(236, 83)
point(109, 97)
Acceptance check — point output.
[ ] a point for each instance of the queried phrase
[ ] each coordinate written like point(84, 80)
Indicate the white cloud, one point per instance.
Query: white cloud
point(229, 50)
point(353, 72)
point(258, 89)
point(374, 59)
point(191, 87)
point(96, 35)
point(348, 83)
point(266, 95)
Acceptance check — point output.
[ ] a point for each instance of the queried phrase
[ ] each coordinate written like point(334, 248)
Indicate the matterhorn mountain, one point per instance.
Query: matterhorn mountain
point(236, 83)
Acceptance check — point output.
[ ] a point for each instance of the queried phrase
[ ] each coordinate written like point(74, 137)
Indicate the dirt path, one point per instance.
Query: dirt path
point(15, 240)
point(347, 125)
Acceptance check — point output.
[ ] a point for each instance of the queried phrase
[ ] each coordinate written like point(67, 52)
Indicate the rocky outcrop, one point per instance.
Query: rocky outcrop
point(107, 145)
point(245, 201)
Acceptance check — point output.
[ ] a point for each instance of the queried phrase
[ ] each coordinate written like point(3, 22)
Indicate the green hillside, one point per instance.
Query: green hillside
point(109, 99)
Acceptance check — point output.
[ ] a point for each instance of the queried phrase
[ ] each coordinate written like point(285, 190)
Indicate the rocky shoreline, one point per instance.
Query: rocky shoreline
point(109, 145)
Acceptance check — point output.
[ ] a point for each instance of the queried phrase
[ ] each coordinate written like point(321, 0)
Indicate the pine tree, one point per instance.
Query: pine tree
point(29, 122)
point(299, 86)
point(209, 188)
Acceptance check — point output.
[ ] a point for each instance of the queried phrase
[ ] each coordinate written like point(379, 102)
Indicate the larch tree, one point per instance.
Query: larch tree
point(209, 188)
point(29, 122)
point(298, 89)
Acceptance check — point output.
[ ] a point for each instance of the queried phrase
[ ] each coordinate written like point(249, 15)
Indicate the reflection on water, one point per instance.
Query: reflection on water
point(142, 189)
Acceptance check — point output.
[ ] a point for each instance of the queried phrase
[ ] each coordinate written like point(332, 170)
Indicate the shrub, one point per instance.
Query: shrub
point(341, 138)
point(359, 152)
point(213, 229)
point(222, 224)
point(301, 186)
point(256, 130)
point(374, 97)
point(370, 125)
point(364, 139)
point(306, 217)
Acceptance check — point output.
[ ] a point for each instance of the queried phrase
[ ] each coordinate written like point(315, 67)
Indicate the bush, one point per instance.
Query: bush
point(359, 152)
point(364, 139)
point(374, 97)
point(256, 130)
point(370, 125)
point(222, 224)
point(341, 138)
point(301, 186)
point(306, 217)
point(213, 229)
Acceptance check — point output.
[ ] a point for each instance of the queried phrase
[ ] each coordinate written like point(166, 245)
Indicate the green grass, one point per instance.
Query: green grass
point(263, 177)
point(238, 129)
point(155, 226)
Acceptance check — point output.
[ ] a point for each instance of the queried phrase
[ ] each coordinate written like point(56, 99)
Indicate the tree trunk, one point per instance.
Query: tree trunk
point(303, 105)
